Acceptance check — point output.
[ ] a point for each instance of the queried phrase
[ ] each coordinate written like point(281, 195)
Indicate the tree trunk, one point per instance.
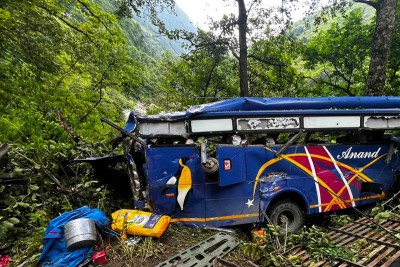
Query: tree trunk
point(242, 23)
point(380, 50)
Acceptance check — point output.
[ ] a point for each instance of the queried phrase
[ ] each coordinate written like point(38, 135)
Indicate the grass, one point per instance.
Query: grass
point(151, 251)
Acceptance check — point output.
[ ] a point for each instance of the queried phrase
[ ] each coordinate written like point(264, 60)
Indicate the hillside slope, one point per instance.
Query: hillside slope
point(144, 36)
point(305, 31)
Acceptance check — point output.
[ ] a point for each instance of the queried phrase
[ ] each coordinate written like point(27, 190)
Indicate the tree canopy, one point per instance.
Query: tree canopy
point(78, 60)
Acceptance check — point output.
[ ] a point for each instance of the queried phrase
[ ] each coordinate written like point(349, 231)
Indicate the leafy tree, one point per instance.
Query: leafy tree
point(394, 60)
point(340, 55)
point(252, 20)
point(205, 75)
point(67, 55)
point(381, 42)
point(232, 33)
point(274, 66)
point(149, 7)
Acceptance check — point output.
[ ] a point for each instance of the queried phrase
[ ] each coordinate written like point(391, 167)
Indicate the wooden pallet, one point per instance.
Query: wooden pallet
point(383, 250)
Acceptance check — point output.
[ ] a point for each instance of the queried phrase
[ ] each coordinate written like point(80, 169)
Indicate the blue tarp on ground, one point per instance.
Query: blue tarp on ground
point(55, 251)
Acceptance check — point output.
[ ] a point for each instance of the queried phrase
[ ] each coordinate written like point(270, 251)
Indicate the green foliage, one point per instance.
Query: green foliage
point(198, 77)
point(41, 185)
point(271, 249)
point(73, 58)
point(312, 24)
point(393, 82)
point(381, 215)
point(66, 55)
point(273, 66)
point(319, 245)
point(340, 220)
point(268, 250)
point(339, 57)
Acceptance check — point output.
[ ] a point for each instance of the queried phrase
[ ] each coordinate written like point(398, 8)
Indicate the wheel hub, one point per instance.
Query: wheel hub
point(285, 218)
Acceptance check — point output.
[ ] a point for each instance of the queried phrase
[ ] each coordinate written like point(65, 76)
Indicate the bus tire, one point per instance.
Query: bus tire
point(287, 211)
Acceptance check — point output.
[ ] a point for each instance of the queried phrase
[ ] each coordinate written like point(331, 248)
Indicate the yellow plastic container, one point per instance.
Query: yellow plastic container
point(140, 223)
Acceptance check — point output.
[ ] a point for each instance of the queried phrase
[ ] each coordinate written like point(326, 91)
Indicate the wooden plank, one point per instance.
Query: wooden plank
point(368, 234)
point(340, 236)
point(380, 257)
point(350, 263)
point(353, 239)
point(391, 259)
point(379, 245)
point(371, 254)
point(348, 240)
point(320, 263)
point(347, 226)
point(295, 250)
point(372, 239)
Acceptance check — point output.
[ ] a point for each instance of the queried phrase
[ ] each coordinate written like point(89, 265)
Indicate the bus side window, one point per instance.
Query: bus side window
point(283, 138)
point(375, 136)
point(323, 138)
point(264, 139)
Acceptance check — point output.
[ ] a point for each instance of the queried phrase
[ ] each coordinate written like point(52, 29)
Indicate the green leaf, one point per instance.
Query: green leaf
point(13, 220)
point(23, 204)
point(34, 187)
point(7, 224)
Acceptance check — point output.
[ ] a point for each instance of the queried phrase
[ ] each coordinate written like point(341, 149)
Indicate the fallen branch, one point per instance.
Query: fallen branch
point(66, 126)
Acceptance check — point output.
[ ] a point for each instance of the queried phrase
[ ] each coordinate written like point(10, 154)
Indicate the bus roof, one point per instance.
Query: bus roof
point(246, 114)
point(286, 105)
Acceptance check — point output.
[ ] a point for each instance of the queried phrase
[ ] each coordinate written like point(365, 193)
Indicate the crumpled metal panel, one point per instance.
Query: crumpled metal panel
point(163, 164)
point(163, 128)
point(203, 254)
point(382, 122)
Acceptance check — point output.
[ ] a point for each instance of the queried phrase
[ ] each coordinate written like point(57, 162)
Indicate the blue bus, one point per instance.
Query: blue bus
point(237, 161)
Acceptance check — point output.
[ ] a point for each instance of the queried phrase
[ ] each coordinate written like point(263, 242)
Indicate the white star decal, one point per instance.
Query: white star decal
point(395, 151)
point(249, 203)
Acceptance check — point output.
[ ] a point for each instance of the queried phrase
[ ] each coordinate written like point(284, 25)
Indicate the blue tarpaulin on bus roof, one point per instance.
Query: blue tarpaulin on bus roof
point(307, 105)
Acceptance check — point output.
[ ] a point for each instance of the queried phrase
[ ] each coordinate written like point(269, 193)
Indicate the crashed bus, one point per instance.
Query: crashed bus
point(242, 160)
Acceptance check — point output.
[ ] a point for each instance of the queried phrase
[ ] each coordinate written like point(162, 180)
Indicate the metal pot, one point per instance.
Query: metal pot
point(80, 233)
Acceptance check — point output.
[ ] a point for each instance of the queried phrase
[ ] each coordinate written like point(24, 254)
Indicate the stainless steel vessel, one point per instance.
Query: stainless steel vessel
point(80, 233)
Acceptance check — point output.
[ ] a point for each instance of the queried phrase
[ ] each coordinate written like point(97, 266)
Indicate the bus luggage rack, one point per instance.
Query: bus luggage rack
point(381, 249)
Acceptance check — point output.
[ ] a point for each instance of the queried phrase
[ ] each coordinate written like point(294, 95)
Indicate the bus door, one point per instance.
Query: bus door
point(231, 197)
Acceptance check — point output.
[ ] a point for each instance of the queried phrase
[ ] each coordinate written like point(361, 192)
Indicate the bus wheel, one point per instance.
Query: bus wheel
point(288, 214)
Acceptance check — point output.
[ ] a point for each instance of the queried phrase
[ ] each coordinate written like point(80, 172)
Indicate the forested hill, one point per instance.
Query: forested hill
point(66, 64)
point(143, 35)
point(172, 21)
point(305, 29)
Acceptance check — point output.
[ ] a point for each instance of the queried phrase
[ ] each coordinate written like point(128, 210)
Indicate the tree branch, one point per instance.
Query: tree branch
point(209, 77)
point(78, 30)
point(330, 84)
point(235, 55)
point(395, 69)
point(266, 61)
point(94, 15)
point(367, 2)
point(100, 84)
point(68, 24)
point(250, 7)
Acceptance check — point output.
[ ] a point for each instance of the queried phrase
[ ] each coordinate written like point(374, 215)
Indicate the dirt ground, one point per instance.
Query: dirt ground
point(151, 251)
